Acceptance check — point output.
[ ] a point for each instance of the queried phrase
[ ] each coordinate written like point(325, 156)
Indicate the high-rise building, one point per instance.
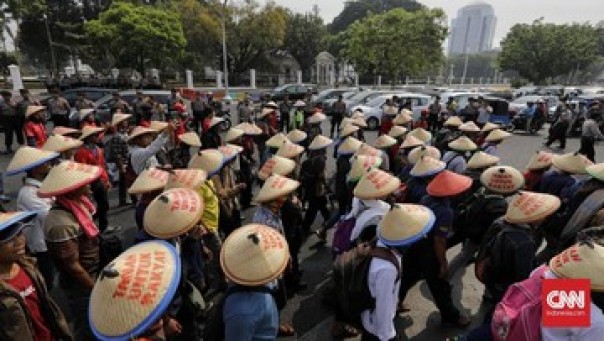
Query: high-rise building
point(473, 29)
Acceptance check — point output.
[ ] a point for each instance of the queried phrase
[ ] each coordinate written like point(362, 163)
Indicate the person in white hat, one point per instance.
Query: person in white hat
point(539, 164)
point(493, 140)
point(246, 161)
point(228, 188)
point(34, 128)
point(560, 180)
point(117, 154)
point(145, 143)
point(298, 116)
point(449, 133)
point(210, 137)
point(420, 176)
point(88, 118)
point(455, 158)
point(314, 181)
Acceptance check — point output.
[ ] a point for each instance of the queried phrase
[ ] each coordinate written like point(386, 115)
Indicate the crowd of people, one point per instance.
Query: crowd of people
point(196, 271)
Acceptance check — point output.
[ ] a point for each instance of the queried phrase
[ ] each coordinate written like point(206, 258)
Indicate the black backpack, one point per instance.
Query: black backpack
point(480, 214)
point(483, 266)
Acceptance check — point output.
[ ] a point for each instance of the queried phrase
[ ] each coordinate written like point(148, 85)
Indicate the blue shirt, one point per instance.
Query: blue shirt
point(416, 189)
point(455, 161)
point(441, 207)
point(529, 112)
point(266, 217)
point(556, 183)
point(250, 316)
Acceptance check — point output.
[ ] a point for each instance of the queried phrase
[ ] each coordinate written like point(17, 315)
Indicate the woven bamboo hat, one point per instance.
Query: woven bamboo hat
point(32, 109)
point(405, 224)
point(320, 142)
point(463, 144)
point(297, 136)
point(453, 121)
point(276, 186)
point(481, 159)
point(139, 131)
point(134, 290)
point(27, 158)
point(317, 118)
point(596, 171)
point(584, 260)
point(254, 255)
point(8, 220)
point(349, 146)
point(497, 135)
point(397, 131)
point(448, 184)
point(249, 129)
point(390, 110)
point(66, 131)
point(230, 151)
point(277, 140)
point(540, 160)
point(469, 127)
point(290, 150)
point(348, 130)
point(411, 142)
point(85, 112)
point(366, 149)
point(119, 117)
point(265, 112)
point(384, 141)
point(418, 152)
point(359, 122)
point(276, 165)
point(299, 104)
point(427, 166)
point(66, 177)
point(88, 131)
point(60, 144)
point(149, 180)
point(529, 207)
point(502, 179)
point(173, 213)
point(191, 138)
point(490, 127)
point(186, 178)
point(272, 105)
point(233, 134)
point(215, 121)
point(358, 114)
point(360, 165)
point(376, 184)
point(573, 163)
point(158, 126)
point(210, 160)
point(421, 134)
point(403, 118)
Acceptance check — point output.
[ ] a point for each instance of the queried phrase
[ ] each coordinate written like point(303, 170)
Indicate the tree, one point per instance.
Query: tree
point(359, 9)
point(396, 43)
point(541, 51)
point(479, 65)
point(305, 38)
point(138, 36)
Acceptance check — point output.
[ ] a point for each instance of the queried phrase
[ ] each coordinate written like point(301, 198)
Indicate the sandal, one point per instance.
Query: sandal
point(286, 330)
point(344, 331)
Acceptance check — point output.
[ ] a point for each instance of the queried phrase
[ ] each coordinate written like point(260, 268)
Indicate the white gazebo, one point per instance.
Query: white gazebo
point(325, 68)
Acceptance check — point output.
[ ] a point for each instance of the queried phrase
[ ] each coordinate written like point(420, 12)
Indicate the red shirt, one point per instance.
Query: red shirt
point(25, 287)
point(272, 120)
point(532, 178)
point(37, 131)
point(145, 123)
point(181, 128)
point(93, 157)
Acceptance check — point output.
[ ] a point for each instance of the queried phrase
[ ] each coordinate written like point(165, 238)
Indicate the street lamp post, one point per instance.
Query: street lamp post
point(224, 50)
point(53, 59)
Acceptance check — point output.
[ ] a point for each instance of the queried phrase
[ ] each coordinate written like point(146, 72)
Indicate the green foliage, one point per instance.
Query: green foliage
point(359, 9)
point(7, 59)
point(479, 65)
point(542, 51)
point(305, 38)
point(396, 43)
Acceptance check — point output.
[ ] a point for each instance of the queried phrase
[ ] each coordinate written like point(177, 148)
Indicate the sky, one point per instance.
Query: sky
point(508, 12)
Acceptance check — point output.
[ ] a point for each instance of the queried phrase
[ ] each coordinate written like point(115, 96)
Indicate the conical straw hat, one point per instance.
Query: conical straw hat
point(421, 134)
point(134, 291)
point(360, 165)
point(405, 224)
point(290, 150)
point(230, 151)
point(366, 149)
point(27, 158)
point(348, 130)
point(376, 184)
point(463, 144)
point(573, 163)
point(276, 165)
point(384, 141)
point(138, 131)
point(59, 130)
point(390, 110)
point(254, 255)
point(427, 166)
point(186, 178)
point(249, 129)
point(584, 260)
point(358, 114)
point(502, 179)
point(320, 142)
point(233, 134)
point(345, 121)
point(277, 140)
point(158, 126)
point(173, 213)
point(490, 127)
point(215, 121)
point(529, 207)
point(297, 136)
point(88, 131)
point(317, 118)
point(397, 131)
point(359, 122)
point(453, 121)
point(469, 127)
point(32, 109)
point(264, 112)
point(497, 135)
point(481, 159)
point(299, 104)
point(411, 142)
point(8, 219)
point(448, 184)
point(119, 117)
point(210, 160)
point(191, 138)
point(350, 146)
point(85, 112)
point(60, 144)
point(66, 177)
point(276, 186)
point(596, 171)
point(149, 180)
point(540, 160)
point(416, 153)
point(402, 118)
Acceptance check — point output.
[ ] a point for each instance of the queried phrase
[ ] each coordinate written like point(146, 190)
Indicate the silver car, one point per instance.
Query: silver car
point(373, 109)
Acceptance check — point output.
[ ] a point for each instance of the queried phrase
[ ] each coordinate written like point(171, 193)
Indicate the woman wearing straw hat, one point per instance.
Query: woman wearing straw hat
point(406, 147)
point(64, 145)
point(180, 154)
point(420, 175)
point(228, 189)
point(145, 143)
point(493, 140)
point(117, 153)
point(72, 236)
point(455, 158)
point(147, 185)
point(35, 131)
point(448, 133)
point(314, 183)
point(559, 180)
point(539, 164)
point(210, 138)
point(36, 164)
point(477, 164)
point(246, 160)
point(267, 131)
point(28, 312)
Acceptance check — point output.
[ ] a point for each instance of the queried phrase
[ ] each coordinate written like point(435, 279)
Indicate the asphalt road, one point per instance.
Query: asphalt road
point(310, 317)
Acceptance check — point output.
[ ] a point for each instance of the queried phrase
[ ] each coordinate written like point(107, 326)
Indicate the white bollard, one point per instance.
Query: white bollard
point(356, 80)
point(299, 77)
point(15, 75)
point(379, 83)
point(253, 78)
point(189, 75)
point(218, 79)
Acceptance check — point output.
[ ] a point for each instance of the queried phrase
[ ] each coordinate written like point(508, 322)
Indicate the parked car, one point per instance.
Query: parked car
point(462, 98)
point(373, 109)
point(345, 96)
point(362, 98)
point(326, 95)
point(293, 91)
point(551, 102)
point(102, 106)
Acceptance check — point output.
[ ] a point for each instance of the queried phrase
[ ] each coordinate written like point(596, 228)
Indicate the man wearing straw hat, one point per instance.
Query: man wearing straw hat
point(145, 143)
point(117, 153)
point(455, 158)
point(313, 179)
point(28, 312)
point(35, 129)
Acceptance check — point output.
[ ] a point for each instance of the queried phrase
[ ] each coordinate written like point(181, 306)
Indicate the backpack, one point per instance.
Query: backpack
point(350, 274)
point(341, 237)
point(518, 316)
point(481, 213)
point(483, 265)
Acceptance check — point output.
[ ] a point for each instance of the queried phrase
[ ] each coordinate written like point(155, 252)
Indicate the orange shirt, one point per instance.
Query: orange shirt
point(37, 131)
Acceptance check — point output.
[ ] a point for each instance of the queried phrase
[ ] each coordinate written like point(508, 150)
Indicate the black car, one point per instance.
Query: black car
point(293, 91)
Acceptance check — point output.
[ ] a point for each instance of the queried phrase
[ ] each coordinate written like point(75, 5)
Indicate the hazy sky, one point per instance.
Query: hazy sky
point(508, 12)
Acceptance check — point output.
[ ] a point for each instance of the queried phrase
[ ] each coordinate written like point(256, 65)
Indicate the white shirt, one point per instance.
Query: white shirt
point(28, 200)
point(458, 165)
point(384, 288)
point(367, 212)
point(144, 158)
